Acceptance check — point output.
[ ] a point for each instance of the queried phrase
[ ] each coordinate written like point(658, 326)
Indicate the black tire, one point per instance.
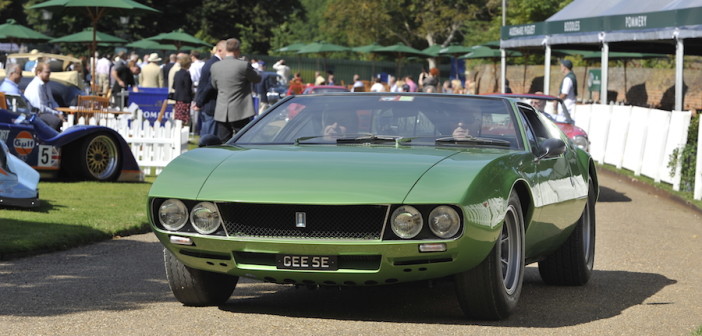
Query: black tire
point(572, 263)
point(99, 158)
point(195, 287)
point(490, 291)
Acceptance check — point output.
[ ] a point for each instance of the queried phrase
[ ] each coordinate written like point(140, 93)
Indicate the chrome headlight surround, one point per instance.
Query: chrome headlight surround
point(205, 217)
point(444, 221)
point(406, 222)
point(172, 214)
point(582, 142)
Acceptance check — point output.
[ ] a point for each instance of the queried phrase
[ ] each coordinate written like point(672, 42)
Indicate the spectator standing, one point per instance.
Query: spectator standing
point(206, 94)
point(282, 70)
point(262, 87)
point(357, 81)
point(377, 86)
point(183, 90)
point(318, 79)
point(166, 68)
point(569, 87)
point(102, 73)
point(38, 94)
point(330, 78)
point(124, 80)
point(151, 76)
point(233, 79)
point(172, 72)
point(429, 81)
point(410, 84)
point(32, 63)
point(196, 68)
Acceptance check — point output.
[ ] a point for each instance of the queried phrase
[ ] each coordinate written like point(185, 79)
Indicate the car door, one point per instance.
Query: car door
point(556, 201)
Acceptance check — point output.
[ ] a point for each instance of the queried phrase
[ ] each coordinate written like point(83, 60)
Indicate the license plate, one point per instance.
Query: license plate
point(306, 262)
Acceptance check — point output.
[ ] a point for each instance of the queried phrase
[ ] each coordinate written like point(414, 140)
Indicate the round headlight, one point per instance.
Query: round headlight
point(172, 214)
point(444, 221)
point(205, 217)
point(581, 142)
point(406, 222)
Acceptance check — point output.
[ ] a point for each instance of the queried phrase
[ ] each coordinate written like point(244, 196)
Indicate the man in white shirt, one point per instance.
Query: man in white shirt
point(102, 72)
point(283, 71)
point(195, 68)
point(38, 93)
point(569, 87)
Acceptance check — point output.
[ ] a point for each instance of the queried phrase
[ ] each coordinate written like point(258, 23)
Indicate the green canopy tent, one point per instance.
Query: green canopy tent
point(291, 48)
point(150, 45)
point(88, 36)
point(402, 51)
point(369, 49)
point(95, 11)
point(179, 39)
point(322, 48)
point(15, 33)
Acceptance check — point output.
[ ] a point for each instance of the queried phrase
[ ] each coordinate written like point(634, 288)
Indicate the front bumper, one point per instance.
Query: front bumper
point(364, 263)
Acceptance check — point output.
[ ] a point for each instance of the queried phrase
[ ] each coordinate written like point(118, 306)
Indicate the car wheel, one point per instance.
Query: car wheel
point(571, 264)
point(490, 291)
point(100, 158)
point(196, 287)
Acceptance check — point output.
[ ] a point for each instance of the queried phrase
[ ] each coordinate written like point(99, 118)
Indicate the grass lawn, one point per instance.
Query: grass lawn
point(73, 214)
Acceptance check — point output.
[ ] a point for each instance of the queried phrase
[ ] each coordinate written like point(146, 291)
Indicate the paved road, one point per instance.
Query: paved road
point(648, 281)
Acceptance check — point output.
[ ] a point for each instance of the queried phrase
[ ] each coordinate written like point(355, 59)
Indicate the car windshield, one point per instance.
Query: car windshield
point(437, 120)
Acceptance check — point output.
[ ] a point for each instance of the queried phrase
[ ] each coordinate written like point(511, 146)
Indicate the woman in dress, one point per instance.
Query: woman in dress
point(183, 94)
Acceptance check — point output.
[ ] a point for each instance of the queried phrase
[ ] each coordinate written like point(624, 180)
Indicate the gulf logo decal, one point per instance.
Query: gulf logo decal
point(23, 143)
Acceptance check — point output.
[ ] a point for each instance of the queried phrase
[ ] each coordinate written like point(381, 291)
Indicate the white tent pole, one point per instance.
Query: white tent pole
point(604, 70)
point(679, 53)
point(547, 70)
point(503, 70)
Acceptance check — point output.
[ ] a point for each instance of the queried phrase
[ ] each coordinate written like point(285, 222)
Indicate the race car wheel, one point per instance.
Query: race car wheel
point(99, 158)
point(196, 287)
point(490, 291)
point(572, 263)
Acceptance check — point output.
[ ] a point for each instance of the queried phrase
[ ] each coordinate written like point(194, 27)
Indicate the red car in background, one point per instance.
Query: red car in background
point(324, 89)
point(548, 106)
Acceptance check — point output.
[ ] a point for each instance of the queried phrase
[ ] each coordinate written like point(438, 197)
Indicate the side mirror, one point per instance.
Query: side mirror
point(209, 140)
point(552, 148)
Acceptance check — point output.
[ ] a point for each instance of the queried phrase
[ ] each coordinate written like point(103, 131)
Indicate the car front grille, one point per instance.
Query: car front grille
point(349, 222)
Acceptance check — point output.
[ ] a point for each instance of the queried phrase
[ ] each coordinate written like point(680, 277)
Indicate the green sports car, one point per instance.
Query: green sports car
point(366, 189)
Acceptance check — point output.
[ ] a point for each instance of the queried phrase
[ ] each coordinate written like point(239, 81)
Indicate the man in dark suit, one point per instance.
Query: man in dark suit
point(206, 94)
point(233, 79)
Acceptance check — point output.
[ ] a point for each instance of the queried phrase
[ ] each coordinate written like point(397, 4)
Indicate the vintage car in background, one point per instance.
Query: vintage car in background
point(79, 152)
point(549, 106)
point(18, 181)
point(324, 89)
point(371, 189)
point(66, 84)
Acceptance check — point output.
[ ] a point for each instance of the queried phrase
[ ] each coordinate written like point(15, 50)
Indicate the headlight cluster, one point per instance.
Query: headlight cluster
point(582, 142)
point(204, 217)
point(407, 222)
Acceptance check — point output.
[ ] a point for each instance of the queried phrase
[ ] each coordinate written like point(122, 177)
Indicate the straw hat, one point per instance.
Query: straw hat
point(154, 58)
point(34, 52)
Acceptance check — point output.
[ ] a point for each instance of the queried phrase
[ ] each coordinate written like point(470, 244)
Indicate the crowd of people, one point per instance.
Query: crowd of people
point(215, 96)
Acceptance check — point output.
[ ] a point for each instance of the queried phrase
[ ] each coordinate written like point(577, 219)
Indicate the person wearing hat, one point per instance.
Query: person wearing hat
point(569, 87)
point(151, 75)
point(32, 63)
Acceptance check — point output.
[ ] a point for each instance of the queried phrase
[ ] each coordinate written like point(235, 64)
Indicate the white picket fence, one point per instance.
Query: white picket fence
point(639, 139)
point(153, 147)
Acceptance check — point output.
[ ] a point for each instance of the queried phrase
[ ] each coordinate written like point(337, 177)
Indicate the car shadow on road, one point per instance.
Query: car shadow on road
point(540, 306)
point(611, 195)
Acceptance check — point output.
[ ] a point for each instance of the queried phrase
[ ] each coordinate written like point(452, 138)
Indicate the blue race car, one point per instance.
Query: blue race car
point(79, 152)
point(18, 181)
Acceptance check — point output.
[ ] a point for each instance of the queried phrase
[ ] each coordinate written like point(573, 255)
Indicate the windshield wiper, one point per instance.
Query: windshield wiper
point(305, 138)
point(373, 139)
point(475, 140)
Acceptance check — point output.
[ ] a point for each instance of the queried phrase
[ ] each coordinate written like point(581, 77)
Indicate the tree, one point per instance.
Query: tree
point(418, 23)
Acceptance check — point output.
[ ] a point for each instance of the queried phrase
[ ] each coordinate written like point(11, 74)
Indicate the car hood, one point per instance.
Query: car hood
point(311, 174)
